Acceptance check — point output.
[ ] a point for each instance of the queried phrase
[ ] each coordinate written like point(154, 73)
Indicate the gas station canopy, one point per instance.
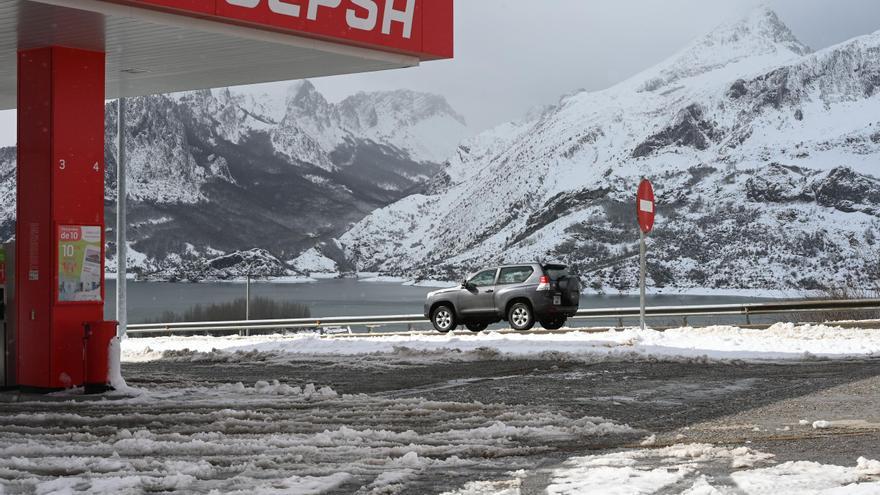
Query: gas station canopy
point(162, 46)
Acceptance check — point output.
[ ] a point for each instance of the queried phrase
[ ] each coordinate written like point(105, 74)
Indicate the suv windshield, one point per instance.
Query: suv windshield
point(555, 272)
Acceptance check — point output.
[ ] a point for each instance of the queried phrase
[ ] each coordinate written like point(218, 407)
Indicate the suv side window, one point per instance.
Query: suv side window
point(515, 275)
point(483, 279)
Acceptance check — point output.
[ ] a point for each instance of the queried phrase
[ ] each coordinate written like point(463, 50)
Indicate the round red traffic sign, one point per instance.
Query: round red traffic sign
point(645, 206)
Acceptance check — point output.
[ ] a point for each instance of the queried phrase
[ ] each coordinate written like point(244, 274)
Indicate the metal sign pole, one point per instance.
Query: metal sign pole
point(643, 248)
point(121, 239)
point(645, 210)
point(247, 302)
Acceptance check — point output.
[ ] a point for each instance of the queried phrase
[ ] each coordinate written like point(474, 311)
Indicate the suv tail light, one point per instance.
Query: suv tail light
point(544, 283)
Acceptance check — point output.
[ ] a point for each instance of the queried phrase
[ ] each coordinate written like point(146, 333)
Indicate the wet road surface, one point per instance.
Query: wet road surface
point(409, 427)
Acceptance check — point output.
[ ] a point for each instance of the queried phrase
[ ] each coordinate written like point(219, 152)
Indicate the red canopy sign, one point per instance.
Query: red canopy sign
point(645, 206)
point(416, 27)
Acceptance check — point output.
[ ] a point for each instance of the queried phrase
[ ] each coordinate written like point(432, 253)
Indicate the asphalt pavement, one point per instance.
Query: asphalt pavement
point(435, 407)
point(770, 407)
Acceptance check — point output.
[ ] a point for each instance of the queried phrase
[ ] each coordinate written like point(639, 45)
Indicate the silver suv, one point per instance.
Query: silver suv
point(519, 294)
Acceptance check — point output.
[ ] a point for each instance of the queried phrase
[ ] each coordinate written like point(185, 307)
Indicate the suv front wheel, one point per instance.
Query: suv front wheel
point(521, 317)
point(443, 319)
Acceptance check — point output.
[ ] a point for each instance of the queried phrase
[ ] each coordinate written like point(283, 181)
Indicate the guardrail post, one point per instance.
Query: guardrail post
point(748, 317)
point(620, 323)
point(685, 320)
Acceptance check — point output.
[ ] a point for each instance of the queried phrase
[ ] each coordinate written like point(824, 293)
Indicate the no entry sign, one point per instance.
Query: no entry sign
point(645, 205)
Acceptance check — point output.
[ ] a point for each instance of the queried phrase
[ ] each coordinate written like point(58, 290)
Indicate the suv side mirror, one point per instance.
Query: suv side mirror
point(465, 284)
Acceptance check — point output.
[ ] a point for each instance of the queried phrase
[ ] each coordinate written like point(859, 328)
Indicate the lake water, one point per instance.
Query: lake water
point(347, 297)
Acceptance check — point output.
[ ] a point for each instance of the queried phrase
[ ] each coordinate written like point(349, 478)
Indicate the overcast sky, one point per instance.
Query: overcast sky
point(513, 55)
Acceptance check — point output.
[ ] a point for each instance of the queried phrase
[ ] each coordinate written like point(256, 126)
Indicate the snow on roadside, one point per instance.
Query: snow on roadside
point(430, 283)
point(782, 342)
point(704, 469)
point(374, 278)
point(691, 469)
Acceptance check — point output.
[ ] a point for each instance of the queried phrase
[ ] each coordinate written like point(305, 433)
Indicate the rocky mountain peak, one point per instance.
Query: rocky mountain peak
point(304, 101)
point(763, 27)
point(299, 92)
point(750, 45)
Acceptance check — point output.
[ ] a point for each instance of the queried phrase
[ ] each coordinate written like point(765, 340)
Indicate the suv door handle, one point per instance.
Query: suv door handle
point(490, 291)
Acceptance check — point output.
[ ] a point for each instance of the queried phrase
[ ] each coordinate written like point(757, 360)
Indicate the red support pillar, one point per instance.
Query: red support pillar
point(60, 208)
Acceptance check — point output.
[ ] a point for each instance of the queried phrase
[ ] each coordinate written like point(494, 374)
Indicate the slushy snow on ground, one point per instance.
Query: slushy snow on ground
point(269, 438)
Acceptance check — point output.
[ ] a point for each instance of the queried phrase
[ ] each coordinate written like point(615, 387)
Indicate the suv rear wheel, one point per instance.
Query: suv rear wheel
point(553, 324)
point(443, 319)
point(521, 317)
point(477, 327)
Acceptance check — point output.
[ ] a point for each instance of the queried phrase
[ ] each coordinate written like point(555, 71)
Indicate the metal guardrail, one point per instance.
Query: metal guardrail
point(746, 310)
point(296, 323)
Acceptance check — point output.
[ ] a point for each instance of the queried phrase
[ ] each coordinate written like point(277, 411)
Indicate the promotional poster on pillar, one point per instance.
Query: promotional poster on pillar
point(79, 264)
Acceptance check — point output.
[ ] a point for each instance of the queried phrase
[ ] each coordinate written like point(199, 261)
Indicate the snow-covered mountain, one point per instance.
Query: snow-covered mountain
point(7, 193)
point(765, 156)
point(213, 175)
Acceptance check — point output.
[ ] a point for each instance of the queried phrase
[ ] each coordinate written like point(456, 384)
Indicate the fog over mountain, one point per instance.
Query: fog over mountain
point(514, 55)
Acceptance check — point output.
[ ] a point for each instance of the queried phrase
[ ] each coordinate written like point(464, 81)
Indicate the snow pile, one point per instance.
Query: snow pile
point(117, 381)
point(509, 487)
point(780, 342)
point(276, 388)
point(703, 469)
point(804, 477)
point(868, 467)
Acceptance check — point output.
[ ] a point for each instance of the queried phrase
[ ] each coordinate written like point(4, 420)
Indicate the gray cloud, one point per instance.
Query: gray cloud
point(513, 55)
